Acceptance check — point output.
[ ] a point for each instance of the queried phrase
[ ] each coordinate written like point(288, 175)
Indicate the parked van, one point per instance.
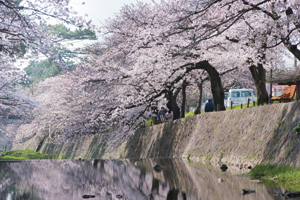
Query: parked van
point(239, 96)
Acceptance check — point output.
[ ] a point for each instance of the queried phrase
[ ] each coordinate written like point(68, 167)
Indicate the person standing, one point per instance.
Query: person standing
point(209, 106)
point(161, 114)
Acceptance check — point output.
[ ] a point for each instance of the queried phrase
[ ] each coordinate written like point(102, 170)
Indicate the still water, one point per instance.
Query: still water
point(126, 179)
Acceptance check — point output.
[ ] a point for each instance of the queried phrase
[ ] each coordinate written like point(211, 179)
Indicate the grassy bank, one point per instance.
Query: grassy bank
point(24, 155)
point(284, 175)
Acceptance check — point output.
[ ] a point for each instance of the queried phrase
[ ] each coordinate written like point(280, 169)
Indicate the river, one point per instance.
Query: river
point(127, 179)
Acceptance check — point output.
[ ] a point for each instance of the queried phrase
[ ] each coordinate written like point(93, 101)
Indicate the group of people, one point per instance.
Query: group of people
point(167, 115)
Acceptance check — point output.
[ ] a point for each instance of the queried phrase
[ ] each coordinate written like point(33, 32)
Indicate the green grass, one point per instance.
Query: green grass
point(297, 129)
point(189, 155)
point(148, 123)
point(272, 170)
point(24, 155)
point(284, 175)
point(244, 106)
point(189, 114)
point(208, 157)
point(280, 122)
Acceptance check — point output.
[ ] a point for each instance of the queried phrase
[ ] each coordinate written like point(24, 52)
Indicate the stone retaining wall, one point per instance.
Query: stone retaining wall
point(239, 137)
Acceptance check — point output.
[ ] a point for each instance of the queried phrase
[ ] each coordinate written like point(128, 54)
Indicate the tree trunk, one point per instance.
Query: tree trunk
point(216, 85)
point(155, 120)
point(292, 48)
point(199, 104)
point(183, 102)
point(172, 104)
point(259, 76)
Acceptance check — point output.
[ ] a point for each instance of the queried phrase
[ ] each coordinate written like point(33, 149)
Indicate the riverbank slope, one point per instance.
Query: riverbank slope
point(240, 137)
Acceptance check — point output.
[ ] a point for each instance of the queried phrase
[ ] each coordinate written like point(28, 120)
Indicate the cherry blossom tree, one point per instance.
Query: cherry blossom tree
point(176, 35)
point(23, 26)
point(144, 40)
point(12, 103)
point(146, 54)
point(23, 30)
point(141, 63)
point(257, 26)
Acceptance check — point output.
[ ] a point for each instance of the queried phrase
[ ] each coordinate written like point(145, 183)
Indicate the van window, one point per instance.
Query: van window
point(235, 94)
point(246, 94)
point(226, 96)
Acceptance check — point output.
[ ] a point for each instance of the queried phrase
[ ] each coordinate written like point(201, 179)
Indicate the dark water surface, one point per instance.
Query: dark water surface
point(126, 179)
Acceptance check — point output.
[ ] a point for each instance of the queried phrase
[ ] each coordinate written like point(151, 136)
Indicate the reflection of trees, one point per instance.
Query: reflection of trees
point(70, 179)
point(9, 188)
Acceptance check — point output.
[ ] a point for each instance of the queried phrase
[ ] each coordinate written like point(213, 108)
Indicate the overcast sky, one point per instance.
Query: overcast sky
point(99, 10)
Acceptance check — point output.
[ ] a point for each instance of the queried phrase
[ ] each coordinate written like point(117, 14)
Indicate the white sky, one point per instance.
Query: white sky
point(99, 10)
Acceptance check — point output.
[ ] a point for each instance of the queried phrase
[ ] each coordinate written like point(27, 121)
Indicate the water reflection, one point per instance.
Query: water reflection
point(125, 179)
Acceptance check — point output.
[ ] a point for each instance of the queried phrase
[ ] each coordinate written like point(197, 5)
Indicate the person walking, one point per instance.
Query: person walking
point(161, 115)
point(209, 106)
